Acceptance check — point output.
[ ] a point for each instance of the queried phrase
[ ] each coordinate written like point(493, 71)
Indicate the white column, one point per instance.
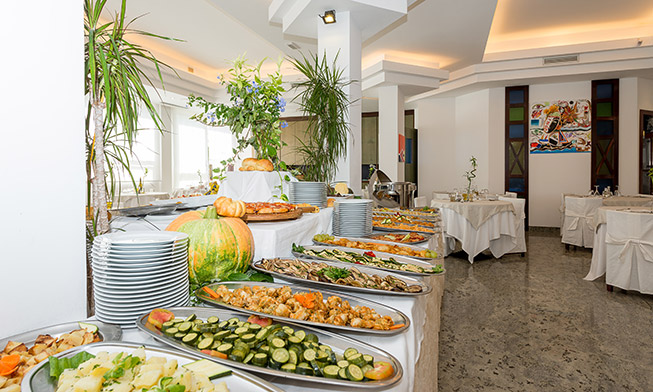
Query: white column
point(391, 125)
point(343, 39)
point(42, 176)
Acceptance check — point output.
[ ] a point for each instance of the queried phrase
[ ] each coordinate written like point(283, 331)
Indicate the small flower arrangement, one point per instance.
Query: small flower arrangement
point(252, 113)
point(471, 175)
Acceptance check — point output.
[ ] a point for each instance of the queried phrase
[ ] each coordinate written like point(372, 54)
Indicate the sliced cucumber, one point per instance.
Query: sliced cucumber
point(230, 338)
point(309, 355)
point(248, 337)
point(354, 373)
point(288, 367)
point(209, 368)
point(190, 318)
point(294, 339)
point(241, 331)
point(343, 363)
point(221, 335)
point(357, 359)
point(304, 368)
point(205, 343)
point(225, 348)
point(280, 355)
point(293, 357)
point(277, 343)
point(213, 320)
point(190, 338)
point(260, 359)
point(369, 359)
point(301, 335)
point(185, 326)
point(331, 371)
point(342, 373)
point(237, 355)
point(164, 326)
point(311, 337)
point(349, 352)
point(180, 335)
point(171, 331)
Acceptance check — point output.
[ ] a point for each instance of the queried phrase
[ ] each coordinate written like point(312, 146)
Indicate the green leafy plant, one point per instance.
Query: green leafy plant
point(471, 175)
point(115, 88)
point(321, 97)
point(252, 113)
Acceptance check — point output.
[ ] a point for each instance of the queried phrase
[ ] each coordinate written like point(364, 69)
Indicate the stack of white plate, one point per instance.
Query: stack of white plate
point(352, 217)
point(136, 272)
point(313, 193)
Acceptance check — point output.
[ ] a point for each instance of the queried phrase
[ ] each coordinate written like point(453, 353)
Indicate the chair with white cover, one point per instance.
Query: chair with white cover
point(419, 201)
point(511, 194)
point(578, 225)
point(440, 195)
point(520, 216)
point(629, 250)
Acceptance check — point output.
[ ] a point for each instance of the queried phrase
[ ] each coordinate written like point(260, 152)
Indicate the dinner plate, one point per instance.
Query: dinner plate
point(139, 299)
point(146, 255)
point(338, 343)
point(108, 278)
point(139, 239)
point(128, 264)
point(162, 269)
point(143, 247)
point(106, 331)
point(142, 290)
point(39, 380)
point(127, 317)
point(120, 308)
point(161, 282)
point(335, 286)
point(383, 310)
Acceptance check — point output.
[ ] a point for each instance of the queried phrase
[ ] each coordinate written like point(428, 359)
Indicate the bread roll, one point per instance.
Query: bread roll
point(251, 164)
point(264, 165)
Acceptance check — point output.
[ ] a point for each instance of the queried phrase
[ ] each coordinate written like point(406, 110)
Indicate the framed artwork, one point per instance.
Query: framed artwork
point(561, 127)
point(402, 148)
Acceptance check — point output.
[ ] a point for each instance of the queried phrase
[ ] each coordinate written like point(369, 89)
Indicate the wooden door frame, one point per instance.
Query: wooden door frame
point(615, 129)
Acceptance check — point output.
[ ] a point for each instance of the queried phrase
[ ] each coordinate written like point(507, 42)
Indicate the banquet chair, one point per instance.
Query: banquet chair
point(440, 195)
point(420, 201)
point(629, 251)
point(510, 194)
point(520, 214)
point(578, 225)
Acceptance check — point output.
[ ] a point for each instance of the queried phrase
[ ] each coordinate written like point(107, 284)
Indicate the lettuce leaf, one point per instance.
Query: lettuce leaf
point(58, 365)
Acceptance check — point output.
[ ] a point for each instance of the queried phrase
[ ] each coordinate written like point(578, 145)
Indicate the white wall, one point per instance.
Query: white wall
point(550, 175)
point(628, 136)
point(42, 263)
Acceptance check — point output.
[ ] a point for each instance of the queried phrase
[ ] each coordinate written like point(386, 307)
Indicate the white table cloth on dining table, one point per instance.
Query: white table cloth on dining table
point(623, 248)
point(271, 239)
point(253, 186)
point(479, 225)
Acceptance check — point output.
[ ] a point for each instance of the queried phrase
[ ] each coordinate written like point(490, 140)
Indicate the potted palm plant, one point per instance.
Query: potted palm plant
point(322, 99)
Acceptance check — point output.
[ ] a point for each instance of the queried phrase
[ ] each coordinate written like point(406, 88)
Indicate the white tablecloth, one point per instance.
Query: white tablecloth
point(271, 239)
point(623, 239)
point(498, 233)
point(251, 186)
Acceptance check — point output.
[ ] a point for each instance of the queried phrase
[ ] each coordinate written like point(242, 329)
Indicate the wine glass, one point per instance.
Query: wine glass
point(596, 190)
point(616, 191)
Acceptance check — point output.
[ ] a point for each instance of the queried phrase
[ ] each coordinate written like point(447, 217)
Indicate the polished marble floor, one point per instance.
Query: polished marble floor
point(534, 324)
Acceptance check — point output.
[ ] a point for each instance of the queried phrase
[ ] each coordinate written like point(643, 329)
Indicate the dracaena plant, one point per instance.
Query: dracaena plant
point(252, 113)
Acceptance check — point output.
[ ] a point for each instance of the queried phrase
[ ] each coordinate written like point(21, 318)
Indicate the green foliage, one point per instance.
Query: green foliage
point(322, 99)
point(252, 113)
point(471, 174)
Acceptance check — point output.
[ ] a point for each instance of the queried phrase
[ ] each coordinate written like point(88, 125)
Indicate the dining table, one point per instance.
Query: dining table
point(480, 225)
point(623, 248)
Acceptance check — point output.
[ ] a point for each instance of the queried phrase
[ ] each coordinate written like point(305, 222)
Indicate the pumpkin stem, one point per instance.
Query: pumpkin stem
point(211, 213)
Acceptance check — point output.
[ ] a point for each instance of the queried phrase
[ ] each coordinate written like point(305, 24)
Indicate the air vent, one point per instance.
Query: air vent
point(293, 45)
point(572, 58)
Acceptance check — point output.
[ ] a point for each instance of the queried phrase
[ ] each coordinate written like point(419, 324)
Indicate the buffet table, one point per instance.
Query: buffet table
point(424, 313)
point(623, 248)
point(253, 186)
point(481, 225)
point(272, 239)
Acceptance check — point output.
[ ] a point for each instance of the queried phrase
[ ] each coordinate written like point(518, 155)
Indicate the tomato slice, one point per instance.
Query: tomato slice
point(381, 371)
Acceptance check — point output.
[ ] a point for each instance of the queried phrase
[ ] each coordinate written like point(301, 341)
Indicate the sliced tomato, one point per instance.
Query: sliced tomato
point(381, 371)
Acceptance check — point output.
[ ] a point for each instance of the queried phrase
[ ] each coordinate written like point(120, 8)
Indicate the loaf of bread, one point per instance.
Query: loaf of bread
point(252, 164)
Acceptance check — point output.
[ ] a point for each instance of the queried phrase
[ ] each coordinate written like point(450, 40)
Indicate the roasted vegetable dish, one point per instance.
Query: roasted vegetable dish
point(309, 306)
point(16, 359)
point(404, 238)
point(375, 246)
point(368, 258)
point(393, 224)
point(322, 272)
point(261, 343)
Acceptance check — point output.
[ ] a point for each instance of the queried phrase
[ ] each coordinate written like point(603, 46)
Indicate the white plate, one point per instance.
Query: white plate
point(130, 317)
point(120, 279)
point(135, 257)
point(138, 299)
point(136, 285)
point(141, 249)
point(145, 247)
point(130, 263)
point(161, 270)
point(144, 238)
point(136, 294)
point(122, 308)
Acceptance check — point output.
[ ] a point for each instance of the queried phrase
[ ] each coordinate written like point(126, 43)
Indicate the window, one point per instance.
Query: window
point(146, 155)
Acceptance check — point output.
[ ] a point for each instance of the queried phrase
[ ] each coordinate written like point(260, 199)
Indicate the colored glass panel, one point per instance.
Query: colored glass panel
point(605, 182)
point(516, 185)
point(605, 127)
point(516, 97)
point(516, 131)
point(516, 114)
point(604, 91)
point(604, 109)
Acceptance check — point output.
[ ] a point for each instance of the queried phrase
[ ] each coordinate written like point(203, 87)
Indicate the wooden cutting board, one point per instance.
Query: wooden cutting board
point(273, 217)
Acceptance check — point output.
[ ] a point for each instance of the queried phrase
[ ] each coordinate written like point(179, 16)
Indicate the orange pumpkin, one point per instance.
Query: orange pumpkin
point(225, 206)
point(185, 217)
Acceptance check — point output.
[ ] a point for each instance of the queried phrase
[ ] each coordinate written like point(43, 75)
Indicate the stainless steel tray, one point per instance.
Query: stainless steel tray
point(383, 310)
point(369, 240)
point(106, 332)
point(38, 378)
point(334, 286)
point(146, 210)
point(401, 259)
point(427, 237)
point(339, 344)
point(393, 229)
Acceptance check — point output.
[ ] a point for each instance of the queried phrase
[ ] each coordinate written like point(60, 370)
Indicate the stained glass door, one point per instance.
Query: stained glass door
point(516, 137)
point(605, 133)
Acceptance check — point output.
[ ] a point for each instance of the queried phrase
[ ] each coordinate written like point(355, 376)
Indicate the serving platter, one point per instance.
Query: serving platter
point(396, 316)
point(427, 237)
point(294, 214)
point(189, 202)
point(339, 343)
point(145, 210)
point(368, 240)
point(38, 379)
point(416, 230)
point(401, 259)
point(334, 286)
point(106, 332)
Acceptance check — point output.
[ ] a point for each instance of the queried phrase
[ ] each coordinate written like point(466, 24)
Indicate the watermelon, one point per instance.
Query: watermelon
point(218, 247)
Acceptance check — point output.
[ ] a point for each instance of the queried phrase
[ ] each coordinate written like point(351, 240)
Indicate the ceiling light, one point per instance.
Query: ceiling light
point(329, 17)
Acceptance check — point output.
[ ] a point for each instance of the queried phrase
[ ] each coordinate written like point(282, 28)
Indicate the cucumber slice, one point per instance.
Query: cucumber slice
point(301, 335)
point(322, 356)
point(196, 328)
point(230, 338)
point(294, 339)
point(304, 368)
point(205, 343)
point(225, 348)
point(164, 326)
point(180, 335)
point(190, 338)
point(349, 352)
point(354, 373)
point(369, 359)
point(288, 367)
point(281, 355)
point(367, 368)
point(190, 318)
point(357, 359)
point(216, 344)
point(272, 364)
point(207, 335)
point(297, 349)
point(185, 326)
point(171, 331)
point(342, 373)
point(209, 368)
point(213, 320)
point(262, 334)
point(293, 357)
point(277, 343)
point(325, 348)
point(331, 371)
point(233, 321)
point(309, 355)
point(260, 359)
point(237, 355)
point(248, 358)
point(316, 368)
point(241, 331)
point(221, 335)
point(311, 337)
point(223, 324)
point(248, 337)
point(343, 363)
point(288, 330)
point(265, 349)
point(254, 328)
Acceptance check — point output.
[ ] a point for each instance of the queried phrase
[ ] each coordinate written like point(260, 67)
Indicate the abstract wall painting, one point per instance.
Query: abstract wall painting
point(561, 127)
